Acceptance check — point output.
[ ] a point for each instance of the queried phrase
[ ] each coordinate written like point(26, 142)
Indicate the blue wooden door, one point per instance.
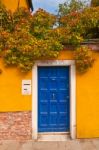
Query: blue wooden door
point(53, 99)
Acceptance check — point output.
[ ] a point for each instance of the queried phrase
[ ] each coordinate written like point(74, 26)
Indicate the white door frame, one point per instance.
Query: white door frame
point(70, 63)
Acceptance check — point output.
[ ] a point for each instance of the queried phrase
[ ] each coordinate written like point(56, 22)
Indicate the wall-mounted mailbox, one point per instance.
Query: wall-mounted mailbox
point(26, 87)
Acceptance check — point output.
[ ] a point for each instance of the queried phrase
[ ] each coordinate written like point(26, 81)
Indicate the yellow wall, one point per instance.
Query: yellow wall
point(13, 4)
point(11, 98)
point(88, 102)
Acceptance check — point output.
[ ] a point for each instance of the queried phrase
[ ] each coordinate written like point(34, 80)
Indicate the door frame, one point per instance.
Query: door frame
point(71, 64)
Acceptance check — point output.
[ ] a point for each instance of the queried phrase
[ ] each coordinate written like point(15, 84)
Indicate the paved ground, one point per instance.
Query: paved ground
point(68, 145)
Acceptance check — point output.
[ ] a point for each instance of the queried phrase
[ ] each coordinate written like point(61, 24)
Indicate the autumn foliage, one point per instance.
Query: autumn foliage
point(94, 3)
point(25, 38)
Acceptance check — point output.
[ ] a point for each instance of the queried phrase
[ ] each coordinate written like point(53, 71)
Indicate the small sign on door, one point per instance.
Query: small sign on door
point(26, 87)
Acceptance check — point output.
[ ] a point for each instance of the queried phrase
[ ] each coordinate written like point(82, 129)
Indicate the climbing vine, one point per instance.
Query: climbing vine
point(25, 38)
point(28, 38)
point(83, 58)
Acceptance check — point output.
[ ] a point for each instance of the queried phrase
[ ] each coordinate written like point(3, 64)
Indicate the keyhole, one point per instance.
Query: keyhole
point(53, 96)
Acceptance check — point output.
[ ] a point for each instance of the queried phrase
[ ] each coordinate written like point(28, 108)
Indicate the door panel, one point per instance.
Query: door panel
point(53, 99)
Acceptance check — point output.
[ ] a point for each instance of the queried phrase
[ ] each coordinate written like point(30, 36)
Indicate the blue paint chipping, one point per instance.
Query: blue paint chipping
point(53, 99)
